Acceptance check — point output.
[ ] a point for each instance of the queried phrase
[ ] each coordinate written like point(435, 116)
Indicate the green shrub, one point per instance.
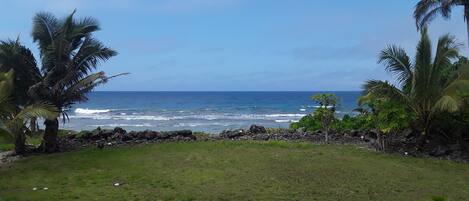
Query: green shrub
point(309, 122)
point(362, 121)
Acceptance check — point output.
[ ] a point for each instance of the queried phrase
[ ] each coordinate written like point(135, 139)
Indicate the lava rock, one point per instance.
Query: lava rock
point(230, 134)
point(127, 137)
point(150, 135)
point(119, 130)
point(255, 129)
point(185, 133)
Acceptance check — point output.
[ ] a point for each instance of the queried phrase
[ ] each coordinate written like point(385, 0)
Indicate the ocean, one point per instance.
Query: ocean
point(197, 111)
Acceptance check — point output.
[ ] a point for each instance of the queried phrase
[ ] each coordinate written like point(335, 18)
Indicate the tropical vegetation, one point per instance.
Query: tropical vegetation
point(13, 118)
point(69, 54)
point(429, 93)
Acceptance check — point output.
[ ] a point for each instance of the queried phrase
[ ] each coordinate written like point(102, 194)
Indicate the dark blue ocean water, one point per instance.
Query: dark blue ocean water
point(198, 111)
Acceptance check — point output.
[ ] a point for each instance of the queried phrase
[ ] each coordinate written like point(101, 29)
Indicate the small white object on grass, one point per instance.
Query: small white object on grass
point(34, 189)
point(362, 137)
point(406, 153)
point(117, 184)
point(45, 188)
point(109, 144)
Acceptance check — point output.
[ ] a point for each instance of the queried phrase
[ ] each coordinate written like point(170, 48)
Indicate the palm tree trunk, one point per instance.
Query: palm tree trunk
point(20, 144)
point(50, 135)
point(466, 16)
point(327, 135)
point(33, 125)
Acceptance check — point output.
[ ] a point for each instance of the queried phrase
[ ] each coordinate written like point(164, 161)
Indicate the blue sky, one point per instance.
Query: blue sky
point(239, 45)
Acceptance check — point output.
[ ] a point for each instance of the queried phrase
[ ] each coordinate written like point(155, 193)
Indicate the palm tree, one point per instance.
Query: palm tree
point(422, 86)
point(69, 54)
point(13, 117)
point(16, 57)
point(427, 10)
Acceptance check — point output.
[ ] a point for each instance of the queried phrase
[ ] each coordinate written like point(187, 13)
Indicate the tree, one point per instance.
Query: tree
point(421, 85)
point(386, 116)
point(14, 56)
point(426, 10)
point(326, 110)
point(14, 117)
point(69, 54)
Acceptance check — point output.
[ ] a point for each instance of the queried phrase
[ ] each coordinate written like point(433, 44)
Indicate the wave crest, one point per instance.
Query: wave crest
point(90, 111)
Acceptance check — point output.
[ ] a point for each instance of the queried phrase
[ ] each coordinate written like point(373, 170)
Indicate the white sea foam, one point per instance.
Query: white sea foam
point(282, 121)
point(302, 109)
point(121, 125)
point(90, 111)
point(120, 117)
point(201, 124)
point(285, 115)
point(329, 106)
point(102, 115)
point(285, 121)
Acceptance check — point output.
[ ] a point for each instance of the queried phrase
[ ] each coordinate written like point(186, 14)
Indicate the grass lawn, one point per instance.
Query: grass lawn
point(5, 145)
point(233, 171)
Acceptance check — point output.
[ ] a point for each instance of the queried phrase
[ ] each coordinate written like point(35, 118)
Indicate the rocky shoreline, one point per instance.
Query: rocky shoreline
point(103, 138)
point(396, 144)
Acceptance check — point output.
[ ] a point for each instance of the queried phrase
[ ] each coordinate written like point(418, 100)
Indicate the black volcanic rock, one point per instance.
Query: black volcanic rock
point(255, 129)
point(230, 134)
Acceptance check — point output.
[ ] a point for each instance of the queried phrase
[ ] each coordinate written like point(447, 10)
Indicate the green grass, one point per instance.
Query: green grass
point(7, 145)
point(233, 171)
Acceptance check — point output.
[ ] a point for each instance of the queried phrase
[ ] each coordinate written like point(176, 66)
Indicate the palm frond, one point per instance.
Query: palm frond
point(90, 54)
point(378, 88)
point(37, 110)
point(14, 56)
point(447, 50)
point(426, 10)
point(45, 26)
point(422, 83)
point(397, 62)
point(447, 104)
point(6, 85)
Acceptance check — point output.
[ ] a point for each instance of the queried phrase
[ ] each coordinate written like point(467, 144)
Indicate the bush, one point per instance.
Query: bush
point(348, 122)
point(309, 122)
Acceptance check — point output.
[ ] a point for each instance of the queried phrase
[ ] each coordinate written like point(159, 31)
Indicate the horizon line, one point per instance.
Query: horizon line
point(231, 91)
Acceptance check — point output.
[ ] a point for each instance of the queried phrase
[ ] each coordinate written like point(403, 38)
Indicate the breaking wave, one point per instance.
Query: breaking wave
point(90, 111)
point(106, 115)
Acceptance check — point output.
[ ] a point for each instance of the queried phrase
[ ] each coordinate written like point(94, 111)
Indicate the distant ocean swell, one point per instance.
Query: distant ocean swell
point(198, 111)
point(117, 114)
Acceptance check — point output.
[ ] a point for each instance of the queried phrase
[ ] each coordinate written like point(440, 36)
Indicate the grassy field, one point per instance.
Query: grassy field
point(232, 171)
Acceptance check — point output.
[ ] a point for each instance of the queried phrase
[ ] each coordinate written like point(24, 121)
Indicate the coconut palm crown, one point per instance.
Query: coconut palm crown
point(426, 10)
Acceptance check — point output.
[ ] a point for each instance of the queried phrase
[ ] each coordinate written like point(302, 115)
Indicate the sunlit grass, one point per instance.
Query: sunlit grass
point(232, 171)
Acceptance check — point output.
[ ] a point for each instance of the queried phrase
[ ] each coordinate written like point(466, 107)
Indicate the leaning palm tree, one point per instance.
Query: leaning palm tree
point(13, 117)
point(69, 54)
point(427, 10)
point(15, 56)
point(421, 84)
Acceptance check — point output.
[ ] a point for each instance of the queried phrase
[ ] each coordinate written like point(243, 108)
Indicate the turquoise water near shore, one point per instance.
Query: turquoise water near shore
point(198, 111)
